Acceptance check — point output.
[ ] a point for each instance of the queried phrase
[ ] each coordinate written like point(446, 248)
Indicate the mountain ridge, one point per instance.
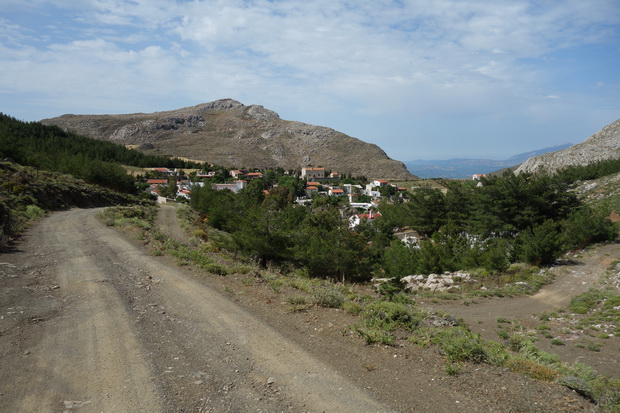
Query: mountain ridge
point(228, 133)
point(602, 145)
point(461, 168)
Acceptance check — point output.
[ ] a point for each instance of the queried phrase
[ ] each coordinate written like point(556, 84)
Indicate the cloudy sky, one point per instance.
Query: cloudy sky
point(423, 79)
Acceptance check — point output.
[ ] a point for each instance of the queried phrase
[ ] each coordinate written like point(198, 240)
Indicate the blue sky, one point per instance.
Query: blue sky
point(423, 79)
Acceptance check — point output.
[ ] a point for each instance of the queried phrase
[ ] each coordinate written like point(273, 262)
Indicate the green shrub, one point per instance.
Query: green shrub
point(532, 369)
point(583, 303)
point(401, 298)
point(297, 300)
point(390, 288)
point(303, 284)
point(388, 316)
point(328, 296)
point(579, 309)
point(201, 234)
point(33, 212)
point(459, 344)
point(352, 307)
point(216, 268)
point(375, 336)
point(454, 369)
point(241, 269)
point(503, 334)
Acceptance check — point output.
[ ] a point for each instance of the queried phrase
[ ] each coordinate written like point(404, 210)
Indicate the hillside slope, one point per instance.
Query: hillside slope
point(603, 145)
point(226, 132)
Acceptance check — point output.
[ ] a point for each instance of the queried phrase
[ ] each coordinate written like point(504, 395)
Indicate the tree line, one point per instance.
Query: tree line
point(94, 161)
point(509, 218)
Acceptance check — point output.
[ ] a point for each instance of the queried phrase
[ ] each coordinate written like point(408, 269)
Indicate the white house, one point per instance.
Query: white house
point(235, 186)
point(355, 220)
point(203, 174)
point(409, 237)
point(351, 189)
point(184, 193)
point(166, 171)
point(364, 205)
point(237, 173)
point(335, 192)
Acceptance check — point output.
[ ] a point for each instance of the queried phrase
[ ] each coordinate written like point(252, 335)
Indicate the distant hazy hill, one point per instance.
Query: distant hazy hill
point(460, 168)
point(226, 132)
point(603, 145)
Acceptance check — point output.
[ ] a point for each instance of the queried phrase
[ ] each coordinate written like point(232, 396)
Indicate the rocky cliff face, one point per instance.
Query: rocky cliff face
point(605, 144)
point(226, 132)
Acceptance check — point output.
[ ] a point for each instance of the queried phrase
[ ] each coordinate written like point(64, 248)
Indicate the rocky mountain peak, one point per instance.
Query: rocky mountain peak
point(604, 144)
point(228, 133)
point(259, 113)
point(220, 104)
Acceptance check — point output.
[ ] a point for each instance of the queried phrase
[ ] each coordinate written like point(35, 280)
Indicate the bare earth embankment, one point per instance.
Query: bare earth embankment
point(90, 321)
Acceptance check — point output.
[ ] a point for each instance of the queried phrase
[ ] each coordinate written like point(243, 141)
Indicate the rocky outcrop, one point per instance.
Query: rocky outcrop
point(448, 281)
point(605, 144)
point(228, 133)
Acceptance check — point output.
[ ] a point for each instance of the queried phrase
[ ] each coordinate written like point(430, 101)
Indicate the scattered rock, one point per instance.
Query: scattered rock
point(436, 282)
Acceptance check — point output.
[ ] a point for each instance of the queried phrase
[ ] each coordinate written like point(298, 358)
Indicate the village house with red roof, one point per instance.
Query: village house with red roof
point(357, 219)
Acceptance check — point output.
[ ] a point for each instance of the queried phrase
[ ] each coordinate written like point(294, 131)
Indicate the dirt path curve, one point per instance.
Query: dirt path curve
point(571, 280)
point(132, 335)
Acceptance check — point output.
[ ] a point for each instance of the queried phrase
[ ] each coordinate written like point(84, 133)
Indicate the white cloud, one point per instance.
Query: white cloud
point(417, 59)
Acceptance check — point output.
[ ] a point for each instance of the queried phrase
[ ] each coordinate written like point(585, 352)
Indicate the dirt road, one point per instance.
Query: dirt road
point(90, 321)
point(131, 333)
point(570, 280)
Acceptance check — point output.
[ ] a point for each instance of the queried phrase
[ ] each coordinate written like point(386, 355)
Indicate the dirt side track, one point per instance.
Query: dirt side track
point(89, 321)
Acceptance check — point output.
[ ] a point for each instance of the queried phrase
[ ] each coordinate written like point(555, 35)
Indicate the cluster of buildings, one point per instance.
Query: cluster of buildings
point(318, 182)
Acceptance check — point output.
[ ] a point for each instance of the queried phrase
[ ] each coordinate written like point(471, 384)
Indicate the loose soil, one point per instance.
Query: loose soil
point(572, 277)
point(91, 321)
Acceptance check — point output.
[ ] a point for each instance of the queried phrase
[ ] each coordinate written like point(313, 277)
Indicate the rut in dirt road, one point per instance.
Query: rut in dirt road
point(131, 334)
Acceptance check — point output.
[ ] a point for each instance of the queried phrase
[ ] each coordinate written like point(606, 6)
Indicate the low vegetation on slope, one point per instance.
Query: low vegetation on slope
point(385, 315)
point(96, 162)
point(45, 168)
point(486, 229)
point(27, 193)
